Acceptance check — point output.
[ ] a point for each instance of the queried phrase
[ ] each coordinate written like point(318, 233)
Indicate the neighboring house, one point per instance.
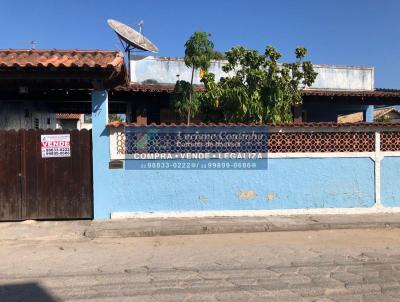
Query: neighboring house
point(72, 121)
point(387, 115)
point(380, 115)
point(338, 90)
point(68, 120)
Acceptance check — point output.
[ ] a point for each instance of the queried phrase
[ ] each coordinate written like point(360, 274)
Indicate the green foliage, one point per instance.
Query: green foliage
point(112, 117)
point(217, 55)
point(181, 100)
point(382, 119)
point(199, 51)
point(258, 89)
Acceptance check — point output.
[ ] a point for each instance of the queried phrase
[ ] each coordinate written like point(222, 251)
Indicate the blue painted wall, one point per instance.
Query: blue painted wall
point(101, 154)
point(286, 184)
point(390, 181)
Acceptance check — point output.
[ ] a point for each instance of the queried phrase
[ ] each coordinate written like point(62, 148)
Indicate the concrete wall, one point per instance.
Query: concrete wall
point(286, 184)
point(292, 181)
point(165, 70)
point(390, 181)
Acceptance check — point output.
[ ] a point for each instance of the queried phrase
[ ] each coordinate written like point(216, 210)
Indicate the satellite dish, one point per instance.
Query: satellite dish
point(131, 37)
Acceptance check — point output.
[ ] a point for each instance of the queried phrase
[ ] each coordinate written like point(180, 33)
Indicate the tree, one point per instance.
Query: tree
point(382, 119)
point(112, 117)
point(199, 51)
point(258, 89)
point(185, 101)
point(217, 55)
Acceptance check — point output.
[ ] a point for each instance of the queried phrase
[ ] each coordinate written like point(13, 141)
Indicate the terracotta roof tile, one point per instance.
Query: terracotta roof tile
point(68, 116)
point(383, 111)
point(278, 125)
point(138, 87)
point(383, 93)
point(63, 68)
point(10, 58)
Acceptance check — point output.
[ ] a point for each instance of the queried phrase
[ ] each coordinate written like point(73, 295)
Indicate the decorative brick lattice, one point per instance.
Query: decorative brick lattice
point(390, 141)
point(294, 142)
point(121, 142)
point(321, 142)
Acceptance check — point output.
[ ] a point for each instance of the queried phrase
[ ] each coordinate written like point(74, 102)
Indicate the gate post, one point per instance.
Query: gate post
point(100, 151)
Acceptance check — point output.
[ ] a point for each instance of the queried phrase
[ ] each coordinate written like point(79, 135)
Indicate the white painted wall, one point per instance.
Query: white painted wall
point(162, 70)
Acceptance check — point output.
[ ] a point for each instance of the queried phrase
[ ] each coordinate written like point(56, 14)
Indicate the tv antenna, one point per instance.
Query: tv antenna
point(32, 43)
point(141, 25)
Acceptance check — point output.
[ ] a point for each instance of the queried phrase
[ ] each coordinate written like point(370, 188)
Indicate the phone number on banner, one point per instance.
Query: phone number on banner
point(56, 152)
point(197, 165)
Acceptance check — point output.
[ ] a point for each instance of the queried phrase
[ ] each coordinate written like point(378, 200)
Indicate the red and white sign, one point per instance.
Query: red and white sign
point(55, 145)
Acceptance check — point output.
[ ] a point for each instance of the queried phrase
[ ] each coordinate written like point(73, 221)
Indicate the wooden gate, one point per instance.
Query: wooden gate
point(32, 187)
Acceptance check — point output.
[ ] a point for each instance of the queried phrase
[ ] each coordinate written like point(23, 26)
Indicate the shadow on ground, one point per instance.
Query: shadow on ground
point(24, 292)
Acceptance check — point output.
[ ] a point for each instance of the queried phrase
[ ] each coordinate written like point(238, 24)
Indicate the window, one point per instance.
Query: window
point(87, 118)
point(36, 123)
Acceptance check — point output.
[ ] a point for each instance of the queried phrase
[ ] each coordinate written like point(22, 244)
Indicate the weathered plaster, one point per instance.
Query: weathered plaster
point(295, 184)
point(166, 70)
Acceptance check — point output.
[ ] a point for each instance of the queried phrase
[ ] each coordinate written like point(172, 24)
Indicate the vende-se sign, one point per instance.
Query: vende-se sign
point(55, 145)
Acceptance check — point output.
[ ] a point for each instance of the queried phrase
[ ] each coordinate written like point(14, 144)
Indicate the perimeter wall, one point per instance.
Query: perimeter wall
point(319, 166)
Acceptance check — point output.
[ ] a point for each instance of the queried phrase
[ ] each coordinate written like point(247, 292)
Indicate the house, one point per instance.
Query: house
point(72, 121)
point(47, 173)
point(63, 174)
point(338, 90)
point(387, 115)
point(36, 85)
point(380, 115)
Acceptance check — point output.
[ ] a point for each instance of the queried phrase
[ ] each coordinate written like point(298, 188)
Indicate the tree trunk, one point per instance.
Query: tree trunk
point(190, 97)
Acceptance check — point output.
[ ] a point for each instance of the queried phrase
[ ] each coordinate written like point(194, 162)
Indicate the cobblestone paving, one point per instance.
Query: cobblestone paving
point(356, 265)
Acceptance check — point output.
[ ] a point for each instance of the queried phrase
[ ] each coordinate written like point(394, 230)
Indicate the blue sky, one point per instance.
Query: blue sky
point(352, 32)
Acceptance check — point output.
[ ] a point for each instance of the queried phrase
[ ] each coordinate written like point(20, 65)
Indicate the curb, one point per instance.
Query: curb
point(148, 227)
point(220, 225)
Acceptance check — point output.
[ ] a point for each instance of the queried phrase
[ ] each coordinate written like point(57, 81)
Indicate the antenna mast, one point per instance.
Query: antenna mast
point(131, 40)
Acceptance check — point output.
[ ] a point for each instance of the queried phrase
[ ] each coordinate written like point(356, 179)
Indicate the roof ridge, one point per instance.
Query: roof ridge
point(58, 58)
point(277, 125)
point(59, 50)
